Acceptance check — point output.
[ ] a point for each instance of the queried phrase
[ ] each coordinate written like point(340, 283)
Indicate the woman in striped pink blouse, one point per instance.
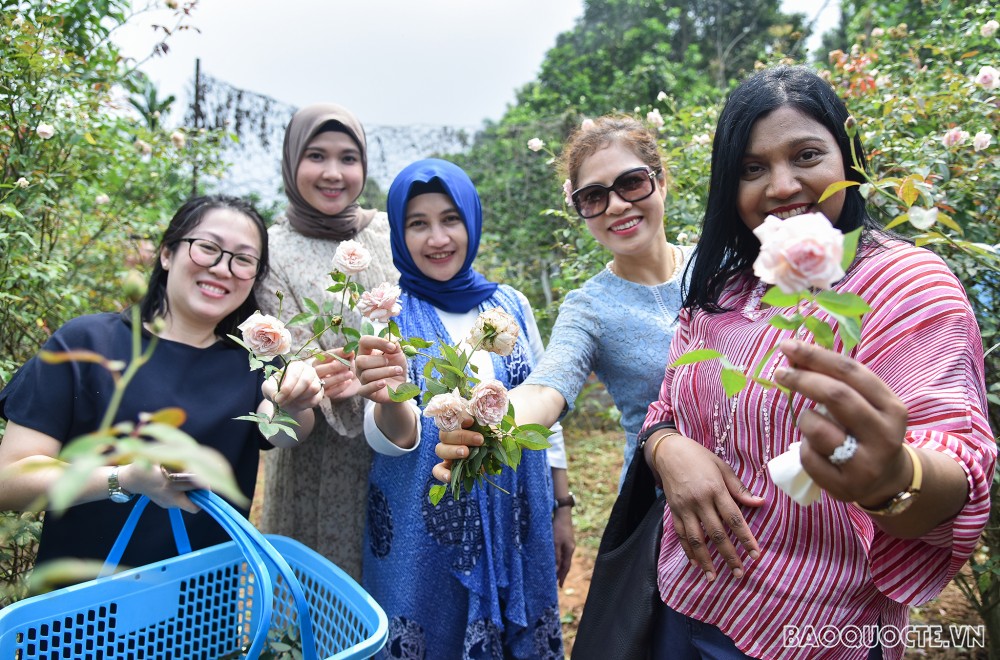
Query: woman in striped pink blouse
point(895, 432)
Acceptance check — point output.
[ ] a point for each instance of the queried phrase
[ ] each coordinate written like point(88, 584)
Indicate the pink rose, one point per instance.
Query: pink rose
point(381, 303)
point(800, 252)
point(989, 28)
point(449, 410)
point(351, 258)
point(495, 331)
point(45, 131)
point(568, 191)
point(489, 402)
point(988, 78)
point(954, 137)
point(265, 335)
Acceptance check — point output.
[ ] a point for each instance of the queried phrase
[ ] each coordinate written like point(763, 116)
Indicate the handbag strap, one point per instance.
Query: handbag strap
point(222, 510)
point(249, 548)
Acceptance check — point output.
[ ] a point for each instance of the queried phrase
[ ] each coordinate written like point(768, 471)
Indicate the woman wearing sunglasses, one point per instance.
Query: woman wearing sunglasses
point(201, 288)
point(620, 323)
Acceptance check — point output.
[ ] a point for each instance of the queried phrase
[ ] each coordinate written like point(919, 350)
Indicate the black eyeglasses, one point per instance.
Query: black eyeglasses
point(206, 254)
point(631, 185)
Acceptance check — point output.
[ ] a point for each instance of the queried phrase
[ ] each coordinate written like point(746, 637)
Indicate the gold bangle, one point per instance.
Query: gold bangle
point(656, 445)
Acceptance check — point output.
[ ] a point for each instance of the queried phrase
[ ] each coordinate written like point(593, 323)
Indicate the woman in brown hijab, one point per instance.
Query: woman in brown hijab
point(317, 492)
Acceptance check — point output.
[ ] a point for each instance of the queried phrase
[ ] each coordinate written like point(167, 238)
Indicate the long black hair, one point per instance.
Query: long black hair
point(727, 247)
point(155, 304)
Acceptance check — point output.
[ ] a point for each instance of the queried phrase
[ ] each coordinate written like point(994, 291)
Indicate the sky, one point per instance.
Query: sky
point(392, 62)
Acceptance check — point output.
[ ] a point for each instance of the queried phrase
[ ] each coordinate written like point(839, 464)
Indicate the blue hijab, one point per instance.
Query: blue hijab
point(467, 288)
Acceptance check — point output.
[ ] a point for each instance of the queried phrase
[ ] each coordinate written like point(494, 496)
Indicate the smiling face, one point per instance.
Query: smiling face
point(201, 297)
point(625, 228)
point(330, 175)
point(435, 235)
point(789, 161)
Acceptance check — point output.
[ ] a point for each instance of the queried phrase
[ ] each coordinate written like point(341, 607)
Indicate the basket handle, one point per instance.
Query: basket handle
point(222, 510)
point(247, 546)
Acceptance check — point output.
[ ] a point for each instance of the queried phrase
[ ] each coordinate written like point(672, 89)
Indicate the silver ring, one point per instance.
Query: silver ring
point(845, 451)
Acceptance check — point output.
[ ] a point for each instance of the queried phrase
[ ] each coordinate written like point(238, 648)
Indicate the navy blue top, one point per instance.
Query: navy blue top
point(212, 385)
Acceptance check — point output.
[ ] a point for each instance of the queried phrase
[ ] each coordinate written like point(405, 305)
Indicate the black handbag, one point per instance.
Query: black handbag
point(624, 599)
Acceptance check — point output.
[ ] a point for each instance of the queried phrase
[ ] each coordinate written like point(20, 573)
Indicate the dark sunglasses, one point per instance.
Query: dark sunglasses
point(631, 185)
point(206, 254)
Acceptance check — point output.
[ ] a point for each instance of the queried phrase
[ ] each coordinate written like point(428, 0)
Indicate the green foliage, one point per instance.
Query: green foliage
point(75, 204)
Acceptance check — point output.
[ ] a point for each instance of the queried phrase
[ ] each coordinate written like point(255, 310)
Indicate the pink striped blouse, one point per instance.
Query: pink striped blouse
point(828, 565)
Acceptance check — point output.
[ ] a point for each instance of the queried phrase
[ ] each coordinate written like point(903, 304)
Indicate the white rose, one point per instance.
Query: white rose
point(102, 199)
point(45, 131)
point(495, 331)
point(265, 335)
point(449, 410)
point(800, 252)
point(351, 258)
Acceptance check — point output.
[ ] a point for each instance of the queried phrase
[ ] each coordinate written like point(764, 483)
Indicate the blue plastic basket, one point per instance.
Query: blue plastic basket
point(226, 601)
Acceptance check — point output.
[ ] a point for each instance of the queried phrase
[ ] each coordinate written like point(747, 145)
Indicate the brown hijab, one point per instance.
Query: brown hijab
point(306, 220)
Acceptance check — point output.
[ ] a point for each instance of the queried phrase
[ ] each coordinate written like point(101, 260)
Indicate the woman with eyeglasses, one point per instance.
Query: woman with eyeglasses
point(202, 286)
point(317, 493)
point(620, 323)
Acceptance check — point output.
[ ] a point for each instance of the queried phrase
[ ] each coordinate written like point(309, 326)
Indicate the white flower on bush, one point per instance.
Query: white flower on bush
point(23, 183)
point(178, 139)
point(45, 131)
point(495, 331)
point(143, 147)
point(381, 303)
point(265, 335)
point(102, 199)
point(535, 144)
point(800, 252)
point(171, 4)
point(654, 117)
point(981, 141)
point(989, 28)
point(702, 139)
point(18, 21)
point(877, 33)
point(587, 124)
point(922, 218)
point(568, 191)
point(489, 402)
point(662, 96)
point(954, 137)
point(988, 78)
point(351, 258)
point(449, 410)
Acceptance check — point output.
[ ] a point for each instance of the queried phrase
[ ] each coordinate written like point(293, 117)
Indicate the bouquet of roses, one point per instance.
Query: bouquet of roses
point(267, 338)
point(458, 397)
point(801, 257)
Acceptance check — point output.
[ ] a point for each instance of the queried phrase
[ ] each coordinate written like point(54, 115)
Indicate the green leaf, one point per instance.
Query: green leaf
point(733, 380)
point(783, 322)
point(404, 392)
point(775, 297)
point(850, 330)
point(311, 305)
point(851, 239)
point(352, 333)
point(417, 342)
point(821, 330)
point(844, 304)
point(303, 318)
point(436, 493)
point(700, 355)
point(531, 439)
point(366, 327)
point(835, 188)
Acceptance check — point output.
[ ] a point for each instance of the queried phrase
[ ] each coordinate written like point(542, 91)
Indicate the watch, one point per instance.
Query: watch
point(116, 493)
point(569, 501)
point(901, 501)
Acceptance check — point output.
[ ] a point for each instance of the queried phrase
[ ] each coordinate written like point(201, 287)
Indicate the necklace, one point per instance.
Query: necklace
point(678, 262)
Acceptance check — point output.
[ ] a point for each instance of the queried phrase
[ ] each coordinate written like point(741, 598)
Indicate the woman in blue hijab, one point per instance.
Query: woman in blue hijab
point(473, 577)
